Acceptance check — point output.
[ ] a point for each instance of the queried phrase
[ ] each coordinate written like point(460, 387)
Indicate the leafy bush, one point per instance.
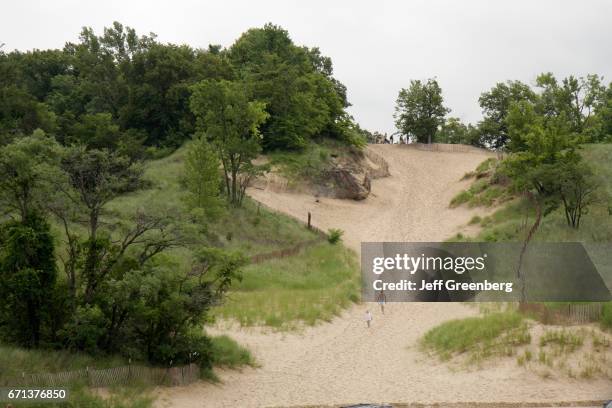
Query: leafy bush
point(334, 235)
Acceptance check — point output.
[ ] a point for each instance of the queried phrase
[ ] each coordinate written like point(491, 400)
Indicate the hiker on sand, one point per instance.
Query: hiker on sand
point(368, 317)
point(381, 298)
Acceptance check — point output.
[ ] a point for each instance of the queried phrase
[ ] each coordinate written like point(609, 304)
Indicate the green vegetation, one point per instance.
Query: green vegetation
point(312, 162)
point(304, 289)
point(606, 317)
point(420, 110)
point(508, 223)
point(131, 93)
point(16, 360)
point(252, 229)
point(475, 220)
point(335, 236)
point(480, 337)
point(230, 121)
point(227, 353)
point(310, 287)
point(585, 103)
point(565, 339)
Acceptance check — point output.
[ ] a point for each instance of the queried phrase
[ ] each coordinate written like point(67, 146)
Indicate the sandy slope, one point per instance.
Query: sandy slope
point(343, 362)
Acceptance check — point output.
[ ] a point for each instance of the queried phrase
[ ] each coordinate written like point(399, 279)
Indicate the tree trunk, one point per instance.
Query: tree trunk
point(532, 231)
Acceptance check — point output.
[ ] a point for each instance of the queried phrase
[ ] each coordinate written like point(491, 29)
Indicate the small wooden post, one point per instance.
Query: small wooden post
point(309, 217)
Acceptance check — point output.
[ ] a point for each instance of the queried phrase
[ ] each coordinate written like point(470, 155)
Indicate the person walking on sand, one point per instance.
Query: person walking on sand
point(368, 318)
point(381, 298)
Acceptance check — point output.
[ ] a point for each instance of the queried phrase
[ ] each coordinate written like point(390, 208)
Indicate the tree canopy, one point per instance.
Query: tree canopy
point(420, 110)
point(122, 89)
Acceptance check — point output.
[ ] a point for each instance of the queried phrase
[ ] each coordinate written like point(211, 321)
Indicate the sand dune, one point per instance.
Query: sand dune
point(343, 361)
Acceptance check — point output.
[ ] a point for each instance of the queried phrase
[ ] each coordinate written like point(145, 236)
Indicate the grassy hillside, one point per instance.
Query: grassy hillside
point(246, 229)
point(508, 223)
point(284, 293)
point(315, 285)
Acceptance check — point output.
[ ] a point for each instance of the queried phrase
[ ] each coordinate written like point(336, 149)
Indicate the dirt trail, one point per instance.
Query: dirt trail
point(342, 361)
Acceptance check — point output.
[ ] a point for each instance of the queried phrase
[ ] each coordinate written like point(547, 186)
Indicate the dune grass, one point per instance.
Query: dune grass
point(228, 353)
point(304, 289)
point(478, 337)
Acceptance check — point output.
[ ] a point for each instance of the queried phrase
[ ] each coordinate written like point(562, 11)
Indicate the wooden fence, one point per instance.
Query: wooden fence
point(295, 249)
point(283, 253)
point(569, 313)
point(447, 147)
point(124, 375)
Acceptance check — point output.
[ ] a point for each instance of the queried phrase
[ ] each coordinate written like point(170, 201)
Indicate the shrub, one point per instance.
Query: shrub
point(461, 198)
point(334, 236)
point(475, 220)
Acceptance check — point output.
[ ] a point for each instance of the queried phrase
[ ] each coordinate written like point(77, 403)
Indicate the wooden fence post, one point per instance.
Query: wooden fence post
point(309, 216)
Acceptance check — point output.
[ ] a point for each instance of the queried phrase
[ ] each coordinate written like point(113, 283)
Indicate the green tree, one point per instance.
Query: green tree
point(495, 105)
point(201, 177)
point(578, 189)
point(453, 131)
point(231, 123)
point(577, 98)
point(303, 99)
point(420, 110)
point(545, 164)
point(603, 119)
point(27, 280)
point(26, 168)
point(95, 177)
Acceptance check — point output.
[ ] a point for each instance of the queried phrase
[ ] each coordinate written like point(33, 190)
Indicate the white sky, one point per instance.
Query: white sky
point(376, 46)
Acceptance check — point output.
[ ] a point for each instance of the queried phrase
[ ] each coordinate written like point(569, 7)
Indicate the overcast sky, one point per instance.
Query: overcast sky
point(376, 46)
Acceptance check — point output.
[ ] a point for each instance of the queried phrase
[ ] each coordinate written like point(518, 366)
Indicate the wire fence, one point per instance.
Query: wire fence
point(124, 375)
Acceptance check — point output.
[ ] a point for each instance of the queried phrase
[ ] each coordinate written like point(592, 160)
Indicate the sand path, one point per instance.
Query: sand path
point(343, 362)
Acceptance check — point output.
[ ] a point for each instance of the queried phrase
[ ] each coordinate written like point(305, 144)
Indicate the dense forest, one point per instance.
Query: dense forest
point(128, 92)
